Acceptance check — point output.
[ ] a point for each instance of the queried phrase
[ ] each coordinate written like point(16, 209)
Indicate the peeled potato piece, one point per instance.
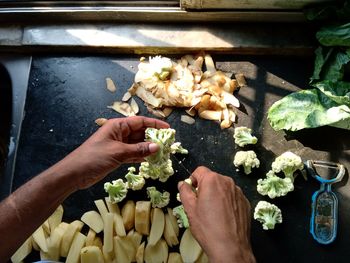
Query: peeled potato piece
point(190, 250)
point(142, 217)
point(157, 228)
point(91, 254)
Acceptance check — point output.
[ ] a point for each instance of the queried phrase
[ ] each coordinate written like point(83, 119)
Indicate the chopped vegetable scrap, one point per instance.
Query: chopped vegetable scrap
point(161, 83)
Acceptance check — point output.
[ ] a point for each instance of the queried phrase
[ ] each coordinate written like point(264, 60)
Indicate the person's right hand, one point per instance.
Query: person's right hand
point(219, 216)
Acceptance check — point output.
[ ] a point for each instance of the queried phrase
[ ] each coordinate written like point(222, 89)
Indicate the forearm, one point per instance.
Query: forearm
point(30, 205)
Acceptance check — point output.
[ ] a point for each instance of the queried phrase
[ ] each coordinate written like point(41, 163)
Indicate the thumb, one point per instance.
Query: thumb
point(138, 151)
point(187, 196)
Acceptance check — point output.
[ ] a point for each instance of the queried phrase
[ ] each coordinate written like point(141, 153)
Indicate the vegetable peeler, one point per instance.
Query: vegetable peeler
point(324, 217)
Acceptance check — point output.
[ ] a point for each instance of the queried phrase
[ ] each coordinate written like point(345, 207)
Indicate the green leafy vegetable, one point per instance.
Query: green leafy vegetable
point(322, 56)
point(335, 35)
point(328, 103)
point(312, 108)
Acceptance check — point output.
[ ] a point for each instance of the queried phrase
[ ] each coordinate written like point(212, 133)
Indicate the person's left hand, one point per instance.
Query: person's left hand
point(118, 141)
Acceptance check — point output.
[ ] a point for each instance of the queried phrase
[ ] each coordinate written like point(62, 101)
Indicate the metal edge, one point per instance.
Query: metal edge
point(171, 15)
point(18, 68)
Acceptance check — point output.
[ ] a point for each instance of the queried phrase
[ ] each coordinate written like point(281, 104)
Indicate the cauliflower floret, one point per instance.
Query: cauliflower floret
point(274, 186)
point(162, 172)
point(158, 165)
point(177, 148)
point(116, 190)
point(287, 163)
point(243, 136)
point(267, 214)
point(134, 181)
point(182, 219)
point(158, 199)
point(247, 159)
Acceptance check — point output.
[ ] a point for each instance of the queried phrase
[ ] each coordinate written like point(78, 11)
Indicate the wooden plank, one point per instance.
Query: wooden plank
point(247, 4)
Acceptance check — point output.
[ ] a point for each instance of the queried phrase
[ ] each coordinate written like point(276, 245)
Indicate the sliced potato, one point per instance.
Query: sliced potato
point(203, 258)
point(209, 63)
point(67, 239)
point(190, 250)
point(136, 238)
point(187, 119)
point(108, 233)
point(23, 251)
point(90, 238)
point(110, 85)
point(77, 245)
point(40, 239)
point(140, 253)
point(210, 115)
point(173, 221)
point(101, 207)
point(91, 254)
point(56, 218)
point(119, 250)
point(134, 106)
point(78, 224)
point(169, 233)
point(127, 95)
point(93, 220)
point(122, 108)
point(46, 227)
point(119, 225)
point(143, 217)
point(174, 257)
point(98, 242)
point(112, 207)
point(157, 253)
point(128, 214)
point(54, 244)
point(157, 228)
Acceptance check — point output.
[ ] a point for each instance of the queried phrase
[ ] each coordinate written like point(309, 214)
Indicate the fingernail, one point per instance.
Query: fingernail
point(179, 184)
point(153, 147)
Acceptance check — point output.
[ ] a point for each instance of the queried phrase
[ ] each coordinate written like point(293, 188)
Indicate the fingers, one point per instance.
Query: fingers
point(198, 175)
point(187, 196)
point(138, 122)
point(137, 151)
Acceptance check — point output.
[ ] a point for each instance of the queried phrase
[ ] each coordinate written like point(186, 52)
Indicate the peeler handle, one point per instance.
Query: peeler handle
point(324, 217)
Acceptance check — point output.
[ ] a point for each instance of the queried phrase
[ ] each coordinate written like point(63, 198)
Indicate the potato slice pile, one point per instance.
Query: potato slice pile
point(135, 233)
point(209, 93)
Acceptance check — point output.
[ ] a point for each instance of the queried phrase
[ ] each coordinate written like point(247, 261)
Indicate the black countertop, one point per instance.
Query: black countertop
point(66, 94)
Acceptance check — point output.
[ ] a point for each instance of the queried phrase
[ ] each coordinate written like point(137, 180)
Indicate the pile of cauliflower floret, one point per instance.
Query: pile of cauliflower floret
point(273, 185)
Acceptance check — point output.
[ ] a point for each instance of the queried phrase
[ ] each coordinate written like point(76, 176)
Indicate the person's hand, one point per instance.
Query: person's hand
point(118, 141)
point(219, 216)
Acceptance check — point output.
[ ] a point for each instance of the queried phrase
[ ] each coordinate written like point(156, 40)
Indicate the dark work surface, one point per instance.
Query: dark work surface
point(66, 95)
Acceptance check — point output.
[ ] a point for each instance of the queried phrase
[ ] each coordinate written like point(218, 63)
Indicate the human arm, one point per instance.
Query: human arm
point(116, 142)
point(219, 216)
